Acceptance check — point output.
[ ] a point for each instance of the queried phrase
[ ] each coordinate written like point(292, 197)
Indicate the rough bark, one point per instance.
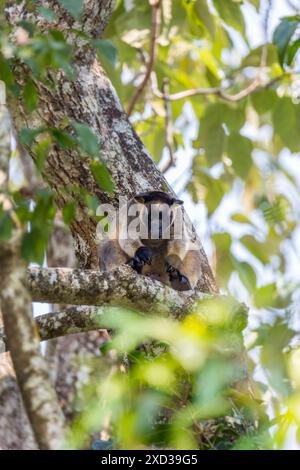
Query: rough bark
point(90, 99)
point(38, 396)
point(22, 338)
point(120, 287)
point(61, 323)
point(68, 375)
point(15, 429)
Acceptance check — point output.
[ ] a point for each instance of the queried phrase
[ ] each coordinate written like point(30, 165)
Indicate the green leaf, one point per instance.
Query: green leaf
point(69, 212)
point(231, 115)
point(92, 202)
point(264, 100)
point(246, 273)
point(107, 49)
point(27, 136)
point(255, 3)
point(275, 212)
point(212, 135)
point(30, 96)
point(222, 241)
point(33, 246)
point(203, 185)
point(22, 207)
point(64, 139)
point(239, 149)
point(44, 211)
point(282, 35)
point(86, 138)
point(230, 12)
point(74, 7)
point(292, 51)
point(47, 13)
point(224, 259)
point(265, 296)
point(286, 119)
point(240, 218)
point(253, 59)
point(28, 26)
point(202, 12)
point(259, 250)
point(34, 242)
point(41, 151)
point(6, 74)
point(102, 176)
point(6, 225)
point(274, 340)
point(152, 133)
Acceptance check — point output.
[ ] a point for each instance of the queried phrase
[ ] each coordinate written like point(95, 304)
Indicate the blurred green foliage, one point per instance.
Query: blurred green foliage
point(180, 398)
point(244, 149)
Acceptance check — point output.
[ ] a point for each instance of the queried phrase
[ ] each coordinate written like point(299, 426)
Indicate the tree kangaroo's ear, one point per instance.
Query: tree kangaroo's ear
point(177, 202)
point(139, 198)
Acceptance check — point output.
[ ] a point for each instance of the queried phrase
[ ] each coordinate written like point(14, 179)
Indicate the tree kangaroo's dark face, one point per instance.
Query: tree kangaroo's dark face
point(157, 214)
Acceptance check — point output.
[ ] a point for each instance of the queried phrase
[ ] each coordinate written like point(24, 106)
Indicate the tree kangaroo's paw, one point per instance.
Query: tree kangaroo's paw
point(142, 256)
point(178, 280)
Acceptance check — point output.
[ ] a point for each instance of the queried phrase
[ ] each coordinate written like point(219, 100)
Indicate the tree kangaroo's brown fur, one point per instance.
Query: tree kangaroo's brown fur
point(173, 261)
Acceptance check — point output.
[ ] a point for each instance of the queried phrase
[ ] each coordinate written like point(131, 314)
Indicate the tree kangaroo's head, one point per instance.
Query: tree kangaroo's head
point(157, 214)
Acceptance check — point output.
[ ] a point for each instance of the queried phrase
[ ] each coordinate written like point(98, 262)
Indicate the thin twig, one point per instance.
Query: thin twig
point(169, 127)
point(266, 20)
point(155, 4)
point(254, 86)
point(294, 7)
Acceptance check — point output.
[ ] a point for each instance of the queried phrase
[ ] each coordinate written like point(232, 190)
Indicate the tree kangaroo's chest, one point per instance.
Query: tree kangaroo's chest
point(157, 269)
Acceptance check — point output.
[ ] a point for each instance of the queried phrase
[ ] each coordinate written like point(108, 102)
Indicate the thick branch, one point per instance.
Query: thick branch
point(84, 318)
point(121, 287)
point(65, 322)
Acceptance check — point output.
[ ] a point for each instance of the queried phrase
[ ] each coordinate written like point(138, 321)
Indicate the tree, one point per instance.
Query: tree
point(70, 121)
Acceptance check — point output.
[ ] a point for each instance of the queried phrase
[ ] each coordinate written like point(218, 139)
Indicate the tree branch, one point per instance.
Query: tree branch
point(293, 5)
point(66, 322)
point(110, 290)
point(120, 287)
point(155, 4)
point(253, 86)
point(169, 128)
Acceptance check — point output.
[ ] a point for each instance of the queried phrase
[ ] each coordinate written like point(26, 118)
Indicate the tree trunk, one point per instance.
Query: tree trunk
point(68, 376)
point(90, 99)
point(15, 429)
point(38, 395)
